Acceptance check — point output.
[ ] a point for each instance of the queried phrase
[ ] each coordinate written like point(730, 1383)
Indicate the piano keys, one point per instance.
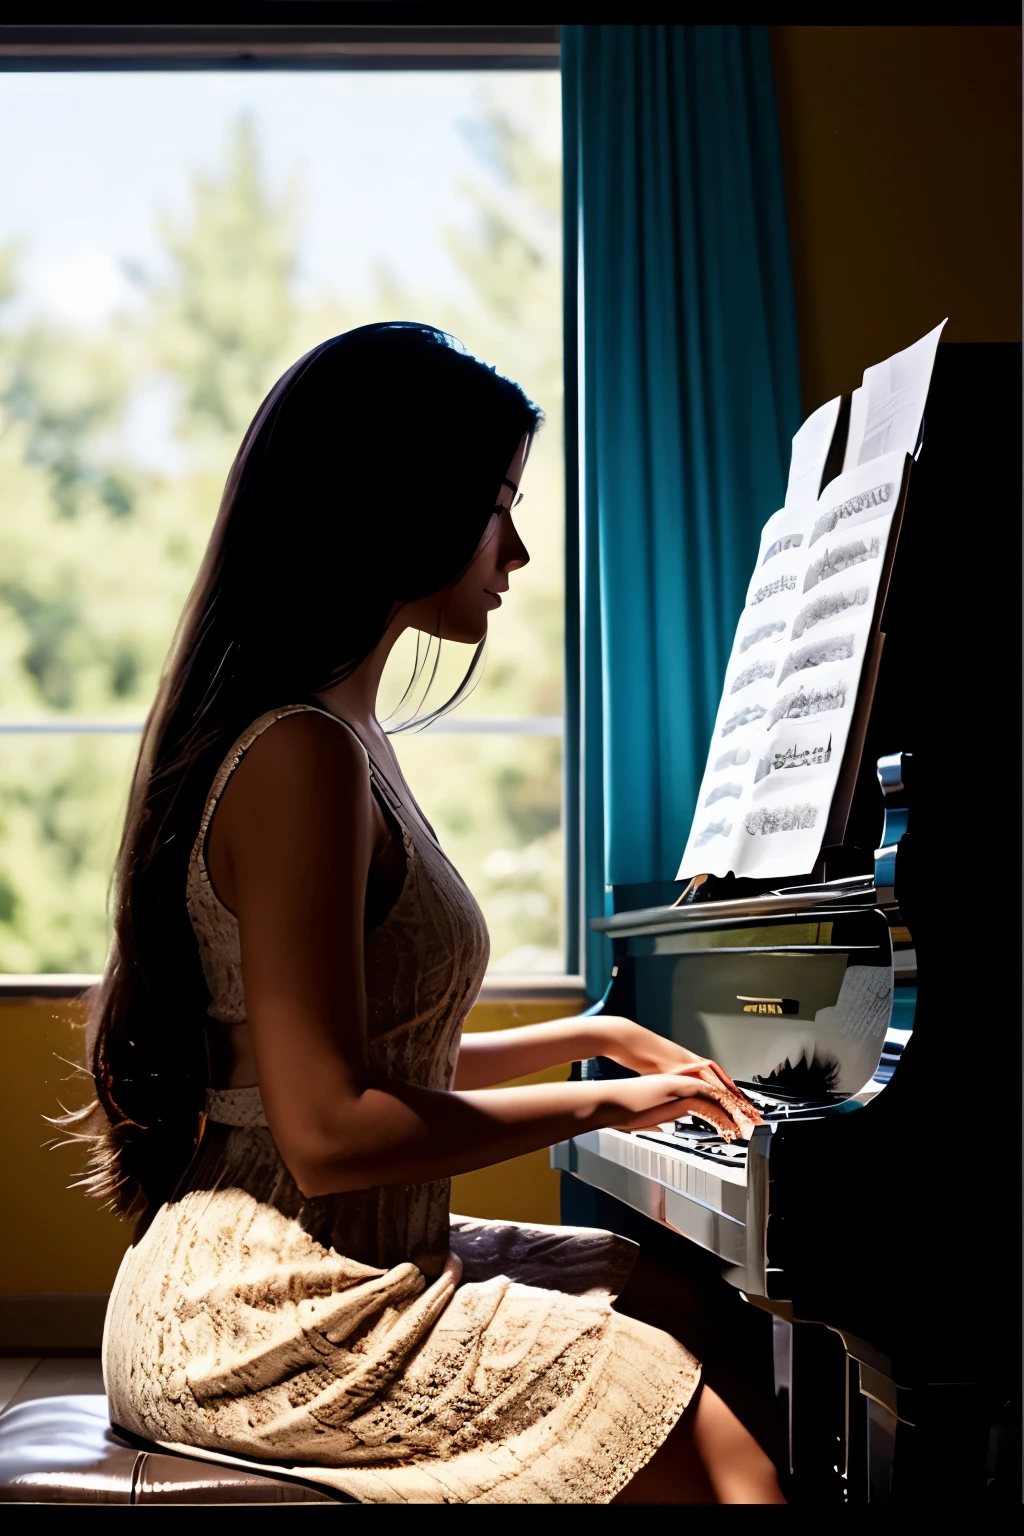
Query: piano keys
point(809, 999)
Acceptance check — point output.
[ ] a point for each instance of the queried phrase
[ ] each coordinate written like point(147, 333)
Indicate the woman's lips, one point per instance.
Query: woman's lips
point(496, 596)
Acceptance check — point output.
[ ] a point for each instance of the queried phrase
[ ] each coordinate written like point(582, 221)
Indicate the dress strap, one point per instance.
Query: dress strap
point(378, 779)
point(231, 762)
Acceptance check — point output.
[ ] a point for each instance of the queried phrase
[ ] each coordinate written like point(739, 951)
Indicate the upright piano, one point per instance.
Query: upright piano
point(875, 1214)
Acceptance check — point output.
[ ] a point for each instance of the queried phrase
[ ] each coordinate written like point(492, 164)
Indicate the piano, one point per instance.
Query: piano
point(874, 1217)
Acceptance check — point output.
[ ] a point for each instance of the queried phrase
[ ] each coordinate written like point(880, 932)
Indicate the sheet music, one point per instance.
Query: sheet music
point(792, 679)
point(810, 450)
point(886, 412)
point(803, 636)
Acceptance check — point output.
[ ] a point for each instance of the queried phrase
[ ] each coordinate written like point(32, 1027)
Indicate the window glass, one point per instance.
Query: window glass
point(169, 243)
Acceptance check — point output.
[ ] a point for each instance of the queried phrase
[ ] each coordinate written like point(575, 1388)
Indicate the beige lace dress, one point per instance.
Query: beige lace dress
point(369, 1341)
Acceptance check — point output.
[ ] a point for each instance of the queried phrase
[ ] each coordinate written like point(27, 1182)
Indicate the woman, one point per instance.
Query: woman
point(276, 1042)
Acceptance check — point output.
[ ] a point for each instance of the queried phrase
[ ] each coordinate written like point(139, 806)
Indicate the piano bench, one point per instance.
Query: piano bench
point(62, 1450)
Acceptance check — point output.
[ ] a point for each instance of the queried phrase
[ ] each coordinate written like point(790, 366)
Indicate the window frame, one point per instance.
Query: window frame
point(259, 45)
point(295, 43)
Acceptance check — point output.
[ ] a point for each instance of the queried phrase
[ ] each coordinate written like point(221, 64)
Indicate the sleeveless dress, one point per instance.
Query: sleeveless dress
point(369, 1342)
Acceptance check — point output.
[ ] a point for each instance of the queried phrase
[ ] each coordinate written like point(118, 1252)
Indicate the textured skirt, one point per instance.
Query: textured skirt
point(508, 1378)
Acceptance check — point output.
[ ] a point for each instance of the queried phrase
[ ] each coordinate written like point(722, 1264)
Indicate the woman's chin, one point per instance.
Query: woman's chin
point(466, 634)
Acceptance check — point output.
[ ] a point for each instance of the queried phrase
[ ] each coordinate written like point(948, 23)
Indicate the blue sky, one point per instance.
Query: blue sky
point(86, 160)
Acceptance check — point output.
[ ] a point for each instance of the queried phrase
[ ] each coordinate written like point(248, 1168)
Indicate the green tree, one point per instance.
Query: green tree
point(223, 320)
point(97, 553)
point(498, 801)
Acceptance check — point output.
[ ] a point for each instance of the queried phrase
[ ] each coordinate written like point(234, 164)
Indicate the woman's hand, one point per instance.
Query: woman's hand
point(657, 1097)
point(641, 1050)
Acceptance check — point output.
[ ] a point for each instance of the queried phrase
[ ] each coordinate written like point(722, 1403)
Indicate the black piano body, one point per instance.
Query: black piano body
point(875, 1217)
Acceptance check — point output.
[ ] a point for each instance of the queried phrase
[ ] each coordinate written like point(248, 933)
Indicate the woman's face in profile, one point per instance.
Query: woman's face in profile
point(464, 607)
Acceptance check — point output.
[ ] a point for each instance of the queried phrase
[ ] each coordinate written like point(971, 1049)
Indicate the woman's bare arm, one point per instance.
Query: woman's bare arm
point(496, 1056)
point(295, 831)
point(396, 1133)
point(499, 1055)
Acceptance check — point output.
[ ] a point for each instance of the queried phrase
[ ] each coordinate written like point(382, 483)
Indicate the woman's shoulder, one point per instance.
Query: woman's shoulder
point(305, 742)
point(298, 799)
point(300, 757)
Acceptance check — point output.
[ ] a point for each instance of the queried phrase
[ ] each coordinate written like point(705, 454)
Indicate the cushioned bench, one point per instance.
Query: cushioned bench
point(62, 1450)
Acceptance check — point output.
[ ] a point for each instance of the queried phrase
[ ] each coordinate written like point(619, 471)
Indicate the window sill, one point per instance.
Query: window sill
point(14, 988)
point(496, 989)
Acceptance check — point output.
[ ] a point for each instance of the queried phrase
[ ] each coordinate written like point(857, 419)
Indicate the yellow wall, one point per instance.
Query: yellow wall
point(902, 160)
point(58, 1240)
point(525, 1188)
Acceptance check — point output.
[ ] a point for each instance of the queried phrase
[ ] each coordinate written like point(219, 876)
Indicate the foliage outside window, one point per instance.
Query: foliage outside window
point(99, 543)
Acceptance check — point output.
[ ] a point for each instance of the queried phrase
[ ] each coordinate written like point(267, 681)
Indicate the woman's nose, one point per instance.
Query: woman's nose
point(514, 553)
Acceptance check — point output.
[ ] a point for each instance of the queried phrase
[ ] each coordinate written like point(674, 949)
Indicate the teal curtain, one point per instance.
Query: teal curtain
point(679, 309)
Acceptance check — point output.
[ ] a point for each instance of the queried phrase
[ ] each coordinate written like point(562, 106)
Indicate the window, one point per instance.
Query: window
point(169, 241)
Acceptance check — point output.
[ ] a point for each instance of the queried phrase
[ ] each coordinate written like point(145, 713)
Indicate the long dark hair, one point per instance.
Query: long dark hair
point(366, 480)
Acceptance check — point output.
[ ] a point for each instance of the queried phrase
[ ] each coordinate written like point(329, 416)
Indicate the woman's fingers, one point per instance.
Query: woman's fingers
point(726, 1079)
point(708, 1110)
point(713, 1075)
point(697, 1086)
point(697, 1094)
point(660, 1056)
point(741, 1116)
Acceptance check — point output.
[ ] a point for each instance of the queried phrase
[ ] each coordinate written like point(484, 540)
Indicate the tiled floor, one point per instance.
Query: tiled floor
point(22, 1379)
point(13, 1373)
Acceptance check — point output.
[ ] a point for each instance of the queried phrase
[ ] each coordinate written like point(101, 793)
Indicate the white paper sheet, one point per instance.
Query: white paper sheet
point(891, 402)
point(810, 450)
point(855, 429)
point(792, 679)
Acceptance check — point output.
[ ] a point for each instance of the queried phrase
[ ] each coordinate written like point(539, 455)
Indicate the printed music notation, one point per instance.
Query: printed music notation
point(807, 626)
